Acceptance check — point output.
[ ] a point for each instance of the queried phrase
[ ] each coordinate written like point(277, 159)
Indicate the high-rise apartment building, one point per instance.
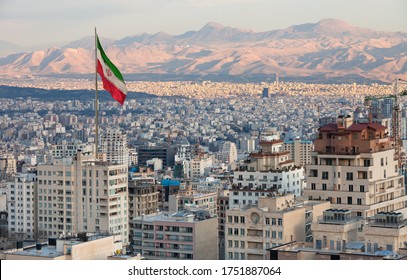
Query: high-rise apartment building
point(82, 195)
point(21, 206)
point(143, 200)
point(247, 145)
point(300, 150)
point(113, 143)
point(228, 152)
point(354, 166)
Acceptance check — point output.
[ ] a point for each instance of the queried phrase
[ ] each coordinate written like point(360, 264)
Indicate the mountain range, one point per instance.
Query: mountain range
point(329, 50)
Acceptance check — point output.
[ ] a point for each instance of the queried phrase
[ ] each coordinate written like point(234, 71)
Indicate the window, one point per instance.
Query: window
point(267, 221)
point(242, 232)
point(273, 234)
point(236, 219)
point(359, 201)
point(362, 188)
point(325, 175)
point(273, 221)
point(349, 176)
point(349, 200)
point(381, 162)
point(324, 187)
point(230, 243)
point(242, 220)
point(339, 200)
point(366, 162)
point(280, 222)
point(280, 235)
point(351, 188)
point(313, 186)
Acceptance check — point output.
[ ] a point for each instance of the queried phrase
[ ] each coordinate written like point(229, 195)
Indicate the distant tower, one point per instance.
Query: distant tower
point(114, 145)
point(277, 80)
point(228, 152)
point(265, 93)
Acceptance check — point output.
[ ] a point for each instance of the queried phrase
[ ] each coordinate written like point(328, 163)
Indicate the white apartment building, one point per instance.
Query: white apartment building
point(21, 206)
point(184, 153)
point(266, 172)
point(70, 148)
point(247, 145)
point(113, 143)
point(82, 195)
point(228, 152)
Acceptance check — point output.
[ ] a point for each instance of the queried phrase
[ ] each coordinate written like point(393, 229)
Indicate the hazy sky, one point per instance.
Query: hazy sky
point(34, 22)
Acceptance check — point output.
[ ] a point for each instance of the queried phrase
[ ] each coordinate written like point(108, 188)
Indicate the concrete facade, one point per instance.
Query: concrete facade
point(93, 247)
point(82, 195)
point(178, 236)
point(300, 150)
point(354, 167)
point(251, 230)
point(21, 206)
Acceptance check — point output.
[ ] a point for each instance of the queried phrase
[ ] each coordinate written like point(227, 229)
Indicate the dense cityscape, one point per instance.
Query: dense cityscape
point(203, 171)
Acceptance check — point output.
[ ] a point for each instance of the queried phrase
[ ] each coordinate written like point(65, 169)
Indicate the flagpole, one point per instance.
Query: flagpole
point(96, 101)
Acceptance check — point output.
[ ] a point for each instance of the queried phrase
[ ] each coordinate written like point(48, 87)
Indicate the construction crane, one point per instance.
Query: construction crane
point(396, 118)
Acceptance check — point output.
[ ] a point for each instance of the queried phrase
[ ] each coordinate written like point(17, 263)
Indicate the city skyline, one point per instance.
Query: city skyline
point(45, 22)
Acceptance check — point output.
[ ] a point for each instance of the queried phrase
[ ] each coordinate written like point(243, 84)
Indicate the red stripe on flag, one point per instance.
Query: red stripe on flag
point(107, 85)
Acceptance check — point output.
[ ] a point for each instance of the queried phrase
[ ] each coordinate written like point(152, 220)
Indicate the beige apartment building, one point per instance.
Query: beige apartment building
point(179, 236)
point(143, 200)
point(8, 165)
point(251, 230)
point(189, 197)
point(82, 195)
point(300, 150)
point(354, 167)
point(85, 247)
point(339, 236)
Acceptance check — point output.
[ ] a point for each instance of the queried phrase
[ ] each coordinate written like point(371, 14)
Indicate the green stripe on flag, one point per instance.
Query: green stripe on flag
point(109, 64)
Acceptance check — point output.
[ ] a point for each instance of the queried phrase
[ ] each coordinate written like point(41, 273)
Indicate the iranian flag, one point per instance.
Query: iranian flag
point(112, 78)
